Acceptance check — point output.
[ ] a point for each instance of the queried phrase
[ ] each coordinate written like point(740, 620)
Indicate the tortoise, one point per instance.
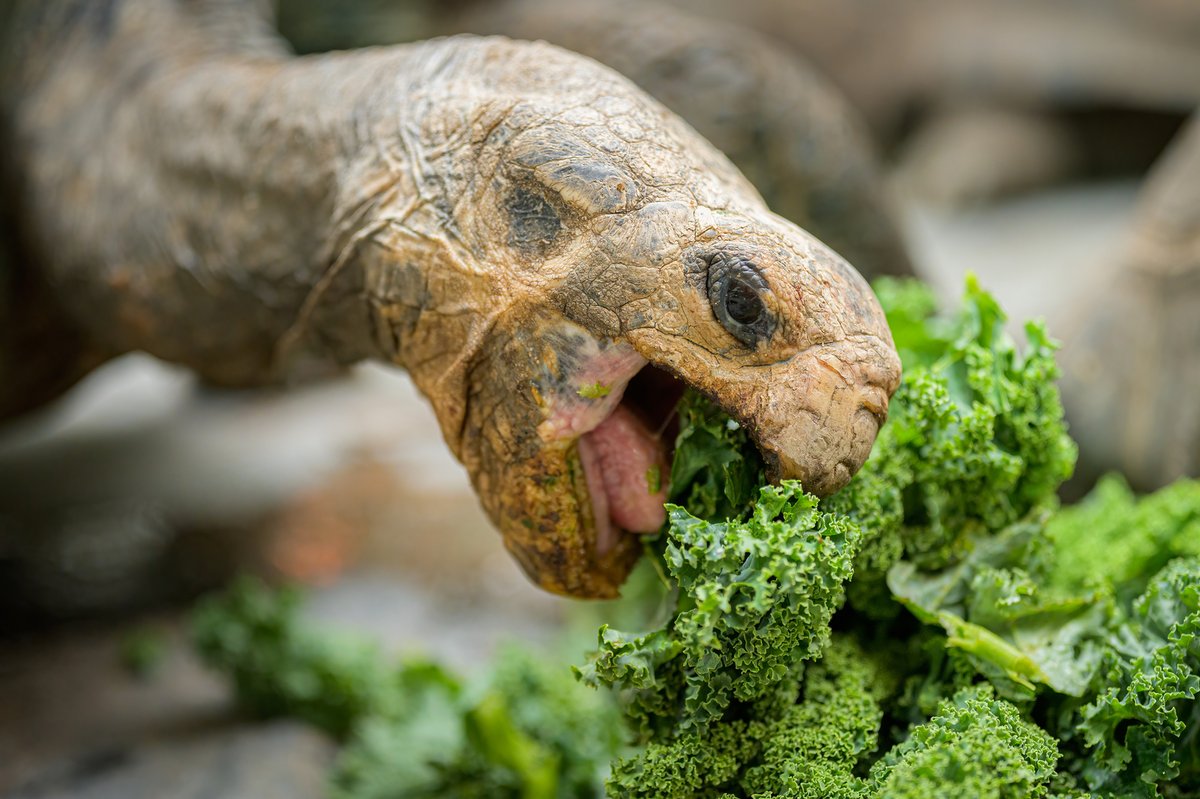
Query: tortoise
point(976, 99)
point(973, 98)
point(548, 251)
point(1109, 88)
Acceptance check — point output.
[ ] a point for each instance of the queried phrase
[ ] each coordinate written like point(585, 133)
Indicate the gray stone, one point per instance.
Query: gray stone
point(283, 760)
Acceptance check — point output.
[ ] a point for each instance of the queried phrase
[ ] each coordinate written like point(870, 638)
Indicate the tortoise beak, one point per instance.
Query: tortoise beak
point(817, 420)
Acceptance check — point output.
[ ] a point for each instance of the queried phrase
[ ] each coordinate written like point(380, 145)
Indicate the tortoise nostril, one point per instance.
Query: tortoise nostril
point(877, 416)
point(874, 400)
point(877, 364)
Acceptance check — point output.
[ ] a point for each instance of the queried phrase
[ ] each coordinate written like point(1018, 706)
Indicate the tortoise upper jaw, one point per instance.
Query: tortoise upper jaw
point(820, 416)
point(802, 453)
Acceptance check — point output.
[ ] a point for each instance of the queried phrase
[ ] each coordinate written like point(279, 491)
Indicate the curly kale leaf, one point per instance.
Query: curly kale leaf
point(921, 336)
point(1126, 671)
point(756, 597)
point(691, 765)
point(1113, 538)
point(716, 470)
point(975, 440)
point(976, 443)
point(806, 748)
point(278, 667)
point(1016, 633)
point(580, 729)
point(648, 673)
point(414, 754)
point(526, 731)
point(816, 749)
point(762, 590)
point(976, 745)
point(1144, 723)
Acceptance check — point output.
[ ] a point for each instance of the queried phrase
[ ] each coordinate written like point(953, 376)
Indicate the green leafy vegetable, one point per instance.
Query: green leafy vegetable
point(1113, 537)
point(687, 766)
point(280, 668)
point(594, 391)
point(1013, 630)
point(757, 596)
point(949, 517)
point(939, 628)
point(527, 731)
point(142, 652)
point(976, 745)
point(1144, 722)
point(819, 746)
point(716, 471)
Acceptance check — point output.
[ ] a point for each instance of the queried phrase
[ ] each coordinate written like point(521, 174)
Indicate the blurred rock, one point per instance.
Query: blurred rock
point(68, 708)
point(278, 760)
point(1032, 252)
point(965, 156)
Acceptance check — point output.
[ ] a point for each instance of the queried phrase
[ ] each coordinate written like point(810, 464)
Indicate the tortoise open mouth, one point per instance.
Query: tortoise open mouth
point(626, 458)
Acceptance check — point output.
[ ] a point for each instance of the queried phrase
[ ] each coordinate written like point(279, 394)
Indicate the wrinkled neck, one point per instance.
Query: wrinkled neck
point(182, 175)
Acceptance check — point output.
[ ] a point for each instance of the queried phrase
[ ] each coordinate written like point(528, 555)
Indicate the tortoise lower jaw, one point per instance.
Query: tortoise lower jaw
point(616, 409)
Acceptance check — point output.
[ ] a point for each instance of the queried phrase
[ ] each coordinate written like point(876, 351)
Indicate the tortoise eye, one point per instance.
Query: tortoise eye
point(742, 303)
point(736, 291)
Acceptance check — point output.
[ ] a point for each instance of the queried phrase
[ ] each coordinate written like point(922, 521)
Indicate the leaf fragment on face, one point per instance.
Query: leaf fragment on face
point(595, 390)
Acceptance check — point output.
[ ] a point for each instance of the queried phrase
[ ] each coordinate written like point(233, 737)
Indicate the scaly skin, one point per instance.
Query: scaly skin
point(504, 220)
point(787, 129)
point(1044, 80)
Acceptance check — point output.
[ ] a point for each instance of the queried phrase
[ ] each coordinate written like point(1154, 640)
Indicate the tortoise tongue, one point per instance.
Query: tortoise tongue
point(621, 458)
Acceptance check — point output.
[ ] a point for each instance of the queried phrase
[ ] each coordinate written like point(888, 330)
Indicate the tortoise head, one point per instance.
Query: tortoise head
point(775, 328)
point(604, 256)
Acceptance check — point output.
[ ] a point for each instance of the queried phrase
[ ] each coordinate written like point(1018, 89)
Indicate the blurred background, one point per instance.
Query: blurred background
point(1014, 140)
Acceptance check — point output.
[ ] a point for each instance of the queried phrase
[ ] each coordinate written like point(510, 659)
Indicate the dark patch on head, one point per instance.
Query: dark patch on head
point(576, 174)
point(534, 223)
point(570, 354)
